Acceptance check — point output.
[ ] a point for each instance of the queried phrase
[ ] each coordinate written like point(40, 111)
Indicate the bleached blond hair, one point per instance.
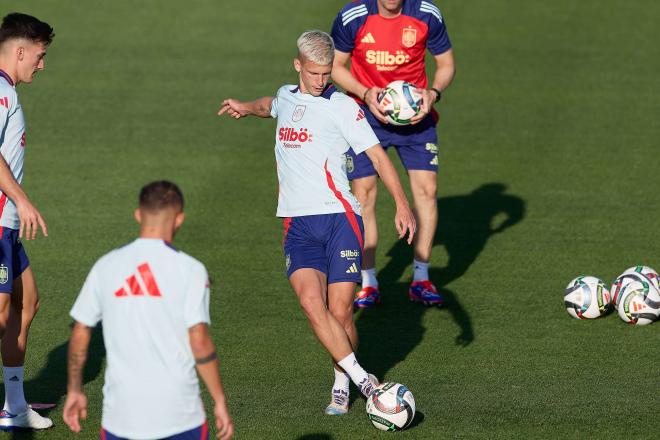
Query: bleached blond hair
point(316, 46)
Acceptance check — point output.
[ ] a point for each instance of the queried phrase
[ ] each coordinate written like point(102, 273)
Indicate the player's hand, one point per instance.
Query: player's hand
point(75, 408)
point(233, 108)
point(371, 99)
point(30, 220)
point(405, 223)
point(224, 426)
point(428, 99)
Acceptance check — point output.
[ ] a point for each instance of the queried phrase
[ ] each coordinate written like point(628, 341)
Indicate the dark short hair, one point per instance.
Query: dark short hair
point(159, 195)
point(17, 25)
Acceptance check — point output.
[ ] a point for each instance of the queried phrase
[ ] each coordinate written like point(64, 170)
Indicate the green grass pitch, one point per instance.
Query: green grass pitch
point(549, 169)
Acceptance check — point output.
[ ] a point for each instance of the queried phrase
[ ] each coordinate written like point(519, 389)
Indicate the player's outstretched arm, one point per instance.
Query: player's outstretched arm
point(75, 407)
point(444, 74)
point(343, 77)
point(206, 362)
point(237, 109)
point(404, 220)
point(28, 215)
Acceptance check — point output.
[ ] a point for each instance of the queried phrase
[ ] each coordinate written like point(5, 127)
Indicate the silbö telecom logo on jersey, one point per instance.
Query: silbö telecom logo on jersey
point(294, 138)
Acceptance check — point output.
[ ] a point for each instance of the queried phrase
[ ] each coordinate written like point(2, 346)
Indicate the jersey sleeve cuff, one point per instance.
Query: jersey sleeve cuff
point(84, 320)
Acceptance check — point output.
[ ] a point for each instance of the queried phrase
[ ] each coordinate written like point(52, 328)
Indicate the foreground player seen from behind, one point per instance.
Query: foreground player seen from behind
point(322, 224)
point(154, 303)
point(23, 44)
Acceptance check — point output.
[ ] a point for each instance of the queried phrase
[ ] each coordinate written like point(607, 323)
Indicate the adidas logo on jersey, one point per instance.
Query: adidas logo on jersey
point(352, 268)
point(368, 38)
point(360, 115)
point(139, 282)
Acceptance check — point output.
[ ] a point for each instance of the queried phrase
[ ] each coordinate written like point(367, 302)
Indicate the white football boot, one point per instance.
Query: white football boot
point(29, 419)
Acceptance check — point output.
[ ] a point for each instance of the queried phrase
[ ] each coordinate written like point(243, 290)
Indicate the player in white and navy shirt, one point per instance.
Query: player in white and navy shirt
point(323, 228)
point(154, 303)
point(23, 44)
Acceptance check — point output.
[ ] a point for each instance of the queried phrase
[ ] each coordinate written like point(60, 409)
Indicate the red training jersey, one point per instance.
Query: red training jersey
point(389, 49)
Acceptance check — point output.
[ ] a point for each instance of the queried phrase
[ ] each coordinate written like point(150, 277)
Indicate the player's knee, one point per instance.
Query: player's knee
point(343, 315)
point(4, 316)
point(366, 195)
point(425, 191)
point(310, 307)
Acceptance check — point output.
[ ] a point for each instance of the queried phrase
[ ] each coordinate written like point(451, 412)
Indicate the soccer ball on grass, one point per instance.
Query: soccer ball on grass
point(391, 407)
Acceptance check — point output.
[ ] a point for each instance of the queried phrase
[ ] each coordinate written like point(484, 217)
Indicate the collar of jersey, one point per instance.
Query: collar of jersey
point(6, 76)
point(327, 92)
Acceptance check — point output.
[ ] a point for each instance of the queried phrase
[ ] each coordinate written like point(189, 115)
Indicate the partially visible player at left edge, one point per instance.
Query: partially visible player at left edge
point(23, 43)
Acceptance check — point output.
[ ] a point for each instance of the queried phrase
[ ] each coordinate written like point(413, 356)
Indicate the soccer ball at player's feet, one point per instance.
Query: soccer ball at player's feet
point(367, 297)
point(391, 407)
point(425, 292)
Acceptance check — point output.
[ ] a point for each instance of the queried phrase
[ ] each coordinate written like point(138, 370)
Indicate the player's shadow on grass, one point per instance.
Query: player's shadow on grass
point(465, 223)
point(50, 385)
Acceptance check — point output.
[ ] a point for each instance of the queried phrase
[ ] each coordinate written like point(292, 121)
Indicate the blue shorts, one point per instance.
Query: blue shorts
point(13, 259)
point(329, 243)
point(199, 433)
point(416, 145)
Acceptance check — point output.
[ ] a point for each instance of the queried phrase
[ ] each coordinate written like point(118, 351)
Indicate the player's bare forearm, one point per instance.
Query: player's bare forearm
point(77, 356)
point(237, 109)
point(206, 360)
point(445, 70)
point(404, 220)
point(388, 174)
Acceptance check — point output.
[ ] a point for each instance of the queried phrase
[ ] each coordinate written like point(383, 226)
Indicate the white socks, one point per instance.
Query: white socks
point(421, 271)
point(342, 381)
point(369, 278)
point(14, 397)
point(354, 370)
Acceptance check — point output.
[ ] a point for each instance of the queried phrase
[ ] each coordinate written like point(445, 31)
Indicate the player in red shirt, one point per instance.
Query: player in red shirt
point(386, 40)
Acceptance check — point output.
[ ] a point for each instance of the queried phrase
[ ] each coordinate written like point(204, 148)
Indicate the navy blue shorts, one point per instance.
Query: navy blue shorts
point(329, 243)
point(416, 145)
point(199, 433)
point(13, 259)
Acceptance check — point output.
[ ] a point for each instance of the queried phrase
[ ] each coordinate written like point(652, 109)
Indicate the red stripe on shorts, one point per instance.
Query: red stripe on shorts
point(287, 225)
point(205, 430)
point(350, 214)
point(3, 202)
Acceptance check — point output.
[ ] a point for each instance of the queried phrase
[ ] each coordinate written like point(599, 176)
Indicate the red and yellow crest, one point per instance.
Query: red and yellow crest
point(409, 37)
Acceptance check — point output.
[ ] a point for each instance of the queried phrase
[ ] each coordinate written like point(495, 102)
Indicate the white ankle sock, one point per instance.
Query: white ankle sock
point(421, 271)
point(369, 278)
point(353, 369)
point(14, 397)
point(342, 381)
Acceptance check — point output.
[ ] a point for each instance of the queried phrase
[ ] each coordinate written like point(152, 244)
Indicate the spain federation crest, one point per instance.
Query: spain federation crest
point(409, 37)
point(298, 113)
point(4, 274)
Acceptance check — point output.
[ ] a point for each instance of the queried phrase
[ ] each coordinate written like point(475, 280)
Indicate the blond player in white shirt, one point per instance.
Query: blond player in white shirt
point(323, 228)
point(23, 44)
point(154, 304)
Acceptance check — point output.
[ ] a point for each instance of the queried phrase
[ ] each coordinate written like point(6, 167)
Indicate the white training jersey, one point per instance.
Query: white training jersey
point(148, 295)
point(12, 145)
point(313, 133)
